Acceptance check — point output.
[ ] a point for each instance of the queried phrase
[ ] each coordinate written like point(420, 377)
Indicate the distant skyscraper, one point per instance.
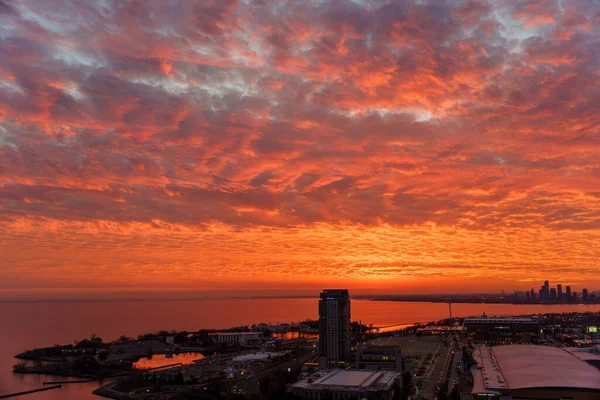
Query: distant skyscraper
point(334, 327)
point(568, 294)
point(559, 292)
point(532, 294)
point(553, 294)
point(584, 295)
point(545, 295)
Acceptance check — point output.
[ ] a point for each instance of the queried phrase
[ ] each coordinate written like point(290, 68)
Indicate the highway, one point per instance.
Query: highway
point(436, 374)
point(454, 368)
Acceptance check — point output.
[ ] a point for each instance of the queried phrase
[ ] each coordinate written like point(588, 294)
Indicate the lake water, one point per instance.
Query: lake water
point(161, 360)
point(28, 325)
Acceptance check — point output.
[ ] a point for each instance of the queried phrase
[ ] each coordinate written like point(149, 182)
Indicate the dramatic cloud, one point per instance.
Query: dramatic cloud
point(359, 142)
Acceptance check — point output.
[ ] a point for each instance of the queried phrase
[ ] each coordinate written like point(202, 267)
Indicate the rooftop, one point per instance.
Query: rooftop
point(348, 380)
point(528, 366)
point(586, 353)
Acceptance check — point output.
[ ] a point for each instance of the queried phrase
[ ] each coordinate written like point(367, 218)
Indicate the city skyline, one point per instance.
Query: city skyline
point(242, 148)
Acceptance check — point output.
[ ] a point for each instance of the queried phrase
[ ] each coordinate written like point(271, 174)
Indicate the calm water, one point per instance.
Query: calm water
point(28, 325)
point(160, 360)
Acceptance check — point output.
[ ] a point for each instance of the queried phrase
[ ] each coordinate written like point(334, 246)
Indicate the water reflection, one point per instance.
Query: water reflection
point(295, 335)
point(160, 360)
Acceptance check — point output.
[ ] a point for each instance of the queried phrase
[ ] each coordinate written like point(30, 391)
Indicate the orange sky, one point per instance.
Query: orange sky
point(237, 147)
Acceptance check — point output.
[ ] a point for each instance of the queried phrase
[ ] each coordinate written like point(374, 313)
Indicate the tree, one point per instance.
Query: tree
point(95, 338)
point(454, 395)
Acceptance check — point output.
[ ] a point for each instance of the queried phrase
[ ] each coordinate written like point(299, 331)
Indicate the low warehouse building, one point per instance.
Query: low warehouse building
point(534, 373)
point(347, 385)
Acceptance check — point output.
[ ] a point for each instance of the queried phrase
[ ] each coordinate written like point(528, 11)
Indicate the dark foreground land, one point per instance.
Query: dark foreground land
point(436, 355)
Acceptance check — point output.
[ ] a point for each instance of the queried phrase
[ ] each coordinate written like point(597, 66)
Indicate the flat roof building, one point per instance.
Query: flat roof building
point(379, 358)
point(347, 385)
point(532, 372)
point(502, 330)
point(244, 338)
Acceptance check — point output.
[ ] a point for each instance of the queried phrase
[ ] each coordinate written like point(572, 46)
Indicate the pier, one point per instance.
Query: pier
point(67, 382)
point(6, 396)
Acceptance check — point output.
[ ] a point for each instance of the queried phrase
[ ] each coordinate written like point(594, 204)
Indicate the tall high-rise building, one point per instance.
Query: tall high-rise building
point(568, 294)
point(334, 327)
point(553, 294)
point(559, 292)
point(584, 295)
point(545, 295)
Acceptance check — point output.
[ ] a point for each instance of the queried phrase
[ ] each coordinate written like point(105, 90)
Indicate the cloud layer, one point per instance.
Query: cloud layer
point(292, 142)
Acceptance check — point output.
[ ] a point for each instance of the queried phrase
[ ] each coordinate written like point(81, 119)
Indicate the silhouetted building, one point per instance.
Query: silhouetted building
point(568, 294)
point(532, 294)
point(545, 292)
point(334, 328)
point(559, 292)
point(584, 295)
point(553, 294)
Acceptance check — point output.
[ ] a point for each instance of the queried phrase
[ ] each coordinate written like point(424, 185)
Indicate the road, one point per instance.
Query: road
point(436, 374)
point(455, 367)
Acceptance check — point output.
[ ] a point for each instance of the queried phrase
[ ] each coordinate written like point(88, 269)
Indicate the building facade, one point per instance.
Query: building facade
point(334, 328)
point(243, 338)
point(379, 358)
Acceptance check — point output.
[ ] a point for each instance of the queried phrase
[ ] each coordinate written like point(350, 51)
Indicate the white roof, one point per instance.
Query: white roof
point(346, 378)
point(529, 366)
point(349, 380)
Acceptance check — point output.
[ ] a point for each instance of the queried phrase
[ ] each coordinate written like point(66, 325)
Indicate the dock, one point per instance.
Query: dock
point(67, 382)
point(6, 396)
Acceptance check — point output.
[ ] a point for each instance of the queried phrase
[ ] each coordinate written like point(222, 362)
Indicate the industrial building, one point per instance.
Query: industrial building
point(348, 385)
point(334, 328)
point(243, 338)
point(533, 373)
point(502, 330)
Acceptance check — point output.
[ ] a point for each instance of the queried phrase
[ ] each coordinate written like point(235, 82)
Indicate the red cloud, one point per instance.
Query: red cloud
point(319, 124)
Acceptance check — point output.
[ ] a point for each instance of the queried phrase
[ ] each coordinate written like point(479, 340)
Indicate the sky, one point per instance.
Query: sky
point(255, 147)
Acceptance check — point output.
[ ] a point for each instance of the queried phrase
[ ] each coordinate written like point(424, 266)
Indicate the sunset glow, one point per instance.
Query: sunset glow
point(234, 146)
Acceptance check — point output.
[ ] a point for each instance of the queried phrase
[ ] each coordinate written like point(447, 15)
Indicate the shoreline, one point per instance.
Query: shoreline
point(474, 298)
point(467, 301)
